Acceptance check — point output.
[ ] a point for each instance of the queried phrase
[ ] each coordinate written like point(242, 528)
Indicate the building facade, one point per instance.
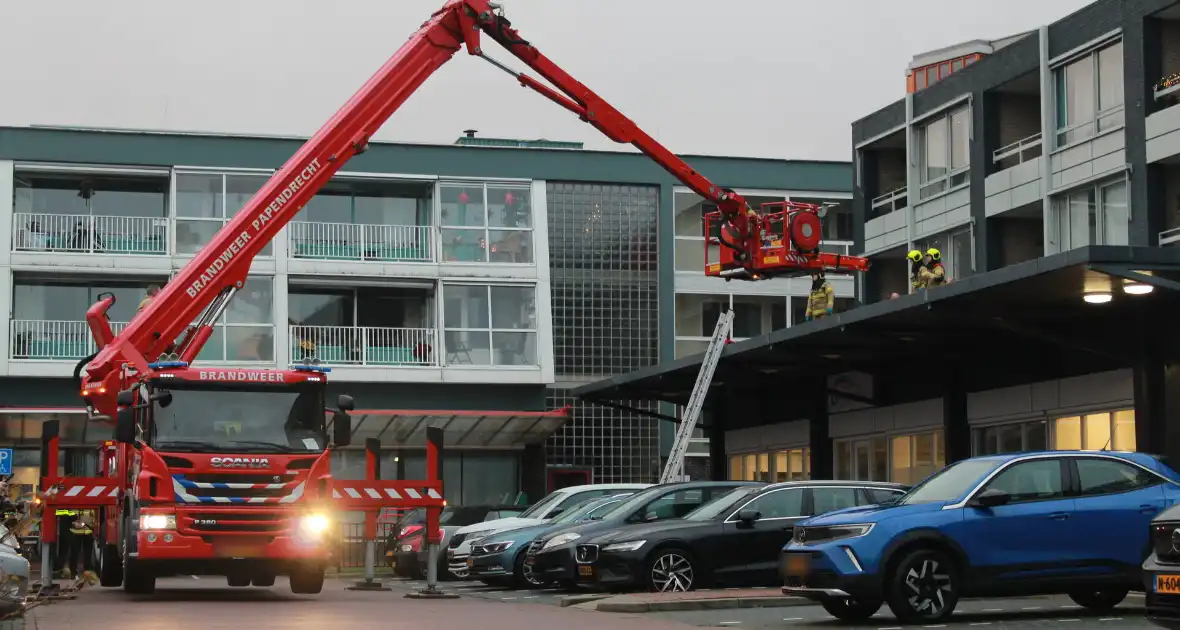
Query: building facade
point(1001, 153)
point(479, 280)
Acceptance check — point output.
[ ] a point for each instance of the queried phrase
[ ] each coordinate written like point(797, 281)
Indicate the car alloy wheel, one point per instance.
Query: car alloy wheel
point(526, 570)
point(923, 586)
point(928, 584)
point(671, 572)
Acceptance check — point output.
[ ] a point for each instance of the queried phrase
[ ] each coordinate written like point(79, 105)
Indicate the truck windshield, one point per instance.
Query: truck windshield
point(240, 421)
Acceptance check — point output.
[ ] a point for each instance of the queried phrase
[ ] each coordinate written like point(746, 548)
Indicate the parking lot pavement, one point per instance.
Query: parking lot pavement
point(979, 614)
point(479, 590)
point(208, 604)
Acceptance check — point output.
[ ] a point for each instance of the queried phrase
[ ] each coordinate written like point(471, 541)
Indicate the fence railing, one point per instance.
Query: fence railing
point(353, 241)
point(346, 345)
point(351, 546)
point(1018, 152)
point(895, 199)
point(1169, 238)
point(83, 233)
point(47, 340)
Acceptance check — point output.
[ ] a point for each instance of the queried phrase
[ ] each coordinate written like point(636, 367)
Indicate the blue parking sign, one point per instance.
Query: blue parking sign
point(5, 461)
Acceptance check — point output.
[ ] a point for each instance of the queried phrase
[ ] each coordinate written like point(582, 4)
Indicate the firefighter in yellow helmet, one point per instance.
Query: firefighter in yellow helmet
point(932, 273)
point(822, 298)
point(916, 266)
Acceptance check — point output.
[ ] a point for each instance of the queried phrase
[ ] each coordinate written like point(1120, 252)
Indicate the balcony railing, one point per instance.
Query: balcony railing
point(841, 248)
point(1018, 152)
point(367, 346)
point(895, 199)
point(353, 241)
point(1169, 238)
point(85, 234)
point(45, 340)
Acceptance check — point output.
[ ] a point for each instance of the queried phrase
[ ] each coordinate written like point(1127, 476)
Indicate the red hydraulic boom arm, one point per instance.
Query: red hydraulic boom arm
point(202, 289)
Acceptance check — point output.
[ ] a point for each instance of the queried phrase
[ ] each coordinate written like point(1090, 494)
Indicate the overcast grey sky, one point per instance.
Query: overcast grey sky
point(763, 78)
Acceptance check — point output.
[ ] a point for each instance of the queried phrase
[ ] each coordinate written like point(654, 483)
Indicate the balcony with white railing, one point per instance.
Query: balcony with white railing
point(892, 201)
point(90, 234)
point(366, 346)
point(1170, 238)
point(1016, 182)
point(42, 340)
point(1019, 152)
point(361, 242)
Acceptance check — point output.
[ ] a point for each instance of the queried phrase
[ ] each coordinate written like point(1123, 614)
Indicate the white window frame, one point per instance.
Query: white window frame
point(1052, 418)
point(779, 195)
point(977, 429)
point(491, 330)
point(222, 325)
point(1061, 209)
point(485, 187)
point(772, 459)
point(1062, 129)
point(955, 177)
point(174, 207)
point(950, 264)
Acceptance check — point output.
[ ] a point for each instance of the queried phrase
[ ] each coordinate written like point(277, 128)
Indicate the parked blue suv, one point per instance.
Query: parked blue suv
point(1070, 522)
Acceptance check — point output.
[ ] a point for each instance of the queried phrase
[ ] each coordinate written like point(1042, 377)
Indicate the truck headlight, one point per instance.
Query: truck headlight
point(157, 521)
point(314, 524)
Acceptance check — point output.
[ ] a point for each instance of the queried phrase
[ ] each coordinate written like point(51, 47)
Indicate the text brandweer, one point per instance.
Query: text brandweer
point(268, 377)
point(263, 217)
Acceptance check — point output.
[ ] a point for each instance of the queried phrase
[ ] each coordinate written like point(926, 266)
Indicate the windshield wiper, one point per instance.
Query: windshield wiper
point(282, 448)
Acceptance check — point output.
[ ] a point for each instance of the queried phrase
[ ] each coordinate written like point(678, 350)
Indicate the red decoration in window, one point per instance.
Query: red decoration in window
point(509, 198)
point(464, 197)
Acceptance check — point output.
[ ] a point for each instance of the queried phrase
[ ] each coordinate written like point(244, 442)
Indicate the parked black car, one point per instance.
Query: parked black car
point(406, 544)
point(734, 540)
point(1161, 570)
point(551, 556)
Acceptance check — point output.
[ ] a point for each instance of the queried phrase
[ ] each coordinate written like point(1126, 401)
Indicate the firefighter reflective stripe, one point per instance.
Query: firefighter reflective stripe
point(66, 513)
point(821, 300)
point(81, 531)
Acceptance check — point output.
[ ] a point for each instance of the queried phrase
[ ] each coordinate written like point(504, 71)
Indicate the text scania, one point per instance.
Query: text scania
point(258, 223)
point(242, 375)
point(240, 462)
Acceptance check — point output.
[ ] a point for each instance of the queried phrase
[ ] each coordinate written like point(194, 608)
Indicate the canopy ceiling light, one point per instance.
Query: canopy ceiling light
point(1098, 298)
point(1137, 288)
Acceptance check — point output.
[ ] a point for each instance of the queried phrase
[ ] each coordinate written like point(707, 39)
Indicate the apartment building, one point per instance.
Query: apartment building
point(468, 286)
point(1045, 166)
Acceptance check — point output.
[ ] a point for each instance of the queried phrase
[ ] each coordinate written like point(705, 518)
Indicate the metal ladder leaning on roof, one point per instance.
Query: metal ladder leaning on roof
point(674, 469)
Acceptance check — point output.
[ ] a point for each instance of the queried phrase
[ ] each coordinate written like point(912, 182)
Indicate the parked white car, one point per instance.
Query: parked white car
point(553, 504)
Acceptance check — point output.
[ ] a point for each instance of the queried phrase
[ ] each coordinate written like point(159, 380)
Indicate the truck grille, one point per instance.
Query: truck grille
point(232, 488)
point(1165, 538)
point(241, 521)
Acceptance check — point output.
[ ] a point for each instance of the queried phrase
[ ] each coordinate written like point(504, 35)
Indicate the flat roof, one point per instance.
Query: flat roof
point(461, 428)
point(1023, 323)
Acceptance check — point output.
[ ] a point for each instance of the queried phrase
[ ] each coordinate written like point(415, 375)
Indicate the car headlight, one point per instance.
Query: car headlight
point(497, 547)
point(560, 540)
point(474, 539)
point(157, 521)
point(827, 533)
point(314, 524)
point(632, 545)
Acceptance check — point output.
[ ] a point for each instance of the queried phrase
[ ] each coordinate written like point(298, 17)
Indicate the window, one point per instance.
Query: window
point(697, 315)
point(205, 202)
point(1010, 438)
point(1095, 215)
point(689, 226)
point(246, 331)
point(946, 152)
point(778, 504)
point(676, 504)
point(1089, 95)
point(48, 319)
point(863, 460)
point(1034, 480)
point(486, 222)
point(916, 457)
point(879, 495)
point(489, 325)
point(1095, 432)
point(828, 499)
point(837, 222)
point(356, 219)
point(1106, 476)
point(957, 248)
point(113, 214)
point(789, 465)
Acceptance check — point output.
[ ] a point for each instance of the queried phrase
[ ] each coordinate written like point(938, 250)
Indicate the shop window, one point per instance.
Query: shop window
point(788, 465)
point(1113, 430)
point(915, 457)
point(1010, 438)
point(863, 460)
point(792, 465)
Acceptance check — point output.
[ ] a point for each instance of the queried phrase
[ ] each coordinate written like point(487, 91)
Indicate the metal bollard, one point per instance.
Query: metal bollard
point(47, 585)
point(370, 583)
point(431, 591)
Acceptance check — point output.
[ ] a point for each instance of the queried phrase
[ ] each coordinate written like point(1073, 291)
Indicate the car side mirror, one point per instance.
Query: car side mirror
point(125, 398)
point(651, 517)
point(341, 428)
point(990, 498)
point(162, 398)
point(125, 427)
point(344, 402)
point(747, 517)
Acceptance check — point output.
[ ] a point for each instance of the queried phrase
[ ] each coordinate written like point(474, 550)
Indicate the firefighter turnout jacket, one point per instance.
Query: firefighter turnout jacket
point(820, 302)
point(931, 276)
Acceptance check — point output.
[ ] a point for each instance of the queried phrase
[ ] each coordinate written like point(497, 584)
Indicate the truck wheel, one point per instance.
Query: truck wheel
point(110, 567)
point(136, 581)
point(238, 581)
point(307, 580)
point(264, 580)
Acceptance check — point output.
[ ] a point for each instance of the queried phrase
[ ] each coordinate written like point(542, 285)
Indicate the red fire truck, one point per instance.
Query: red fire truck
point(225, 471)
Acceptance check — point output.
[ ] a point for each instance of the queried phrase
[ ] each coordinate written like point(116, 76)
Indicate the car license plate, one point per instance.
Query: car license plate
point(1169, 584)
point(586, 571)
point(450, 554)
point(798, 564)
point(470, 562)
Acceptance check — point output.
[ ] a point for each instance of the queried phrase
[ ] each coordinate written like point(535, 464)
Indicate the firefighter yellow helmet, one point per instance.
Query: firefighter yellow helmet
point(914, 255)
point(934, 254)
